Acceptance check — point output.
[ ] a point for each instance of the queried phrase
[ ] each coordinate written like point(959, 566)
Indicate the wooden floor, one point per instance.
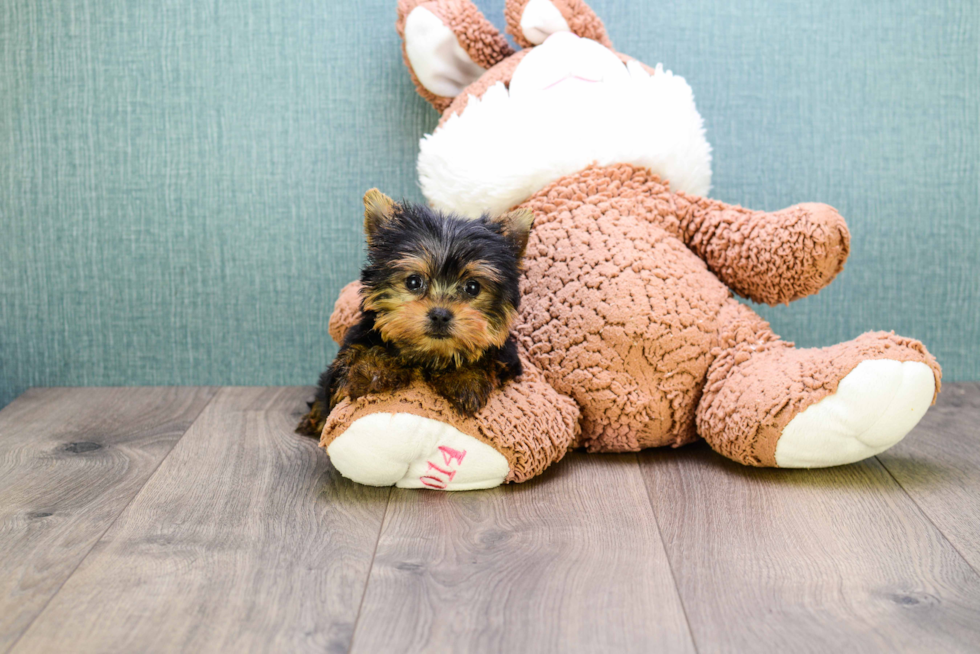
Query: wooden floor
point(194, 520)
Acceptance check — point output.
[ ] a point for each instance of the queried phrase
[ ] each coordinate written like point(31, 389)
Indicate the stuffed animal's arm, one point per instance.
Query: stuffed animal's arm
point(346, 311)
point(773, 257)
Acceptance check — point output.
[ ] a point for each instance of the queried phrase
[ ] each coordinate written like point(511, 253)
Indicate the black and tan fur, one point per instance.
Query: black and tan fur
point(439, 294)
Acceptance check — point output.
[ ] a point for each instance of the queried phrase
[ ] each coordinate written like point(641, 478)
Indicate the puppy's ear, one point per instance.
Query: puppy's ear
point(516, 227)
point(379, 209)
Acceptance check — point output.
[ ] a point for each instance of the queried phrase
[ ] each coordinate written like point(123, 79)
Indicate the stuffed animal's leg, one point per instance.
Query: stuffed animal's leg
point(413, 438)
point(767, 403)
point(772, 258)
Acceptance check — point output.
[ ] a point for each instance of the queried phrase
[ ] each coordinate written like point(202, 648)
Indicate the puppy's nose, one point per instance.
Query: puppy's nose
point(440, 317)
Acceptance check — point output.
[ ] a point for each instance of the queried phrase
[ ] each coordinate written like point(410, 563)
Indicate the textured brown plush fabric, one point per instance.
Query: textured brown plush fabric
point(475, 34)
point(617, 312)
point(346, 311)
point(579, 16)
point(772, 258)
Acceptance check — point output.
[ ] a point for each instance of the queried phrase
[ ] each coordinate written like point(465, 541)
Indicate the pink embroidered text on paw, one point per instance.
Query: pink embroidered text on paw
point(439, 477)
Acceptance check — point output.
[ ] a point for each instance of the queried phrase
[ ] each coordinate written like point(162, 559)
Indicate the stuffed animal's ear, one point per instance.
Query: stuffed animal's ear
point(530, 22)
point(447, 45)
point(516, 226)
point(378, 210)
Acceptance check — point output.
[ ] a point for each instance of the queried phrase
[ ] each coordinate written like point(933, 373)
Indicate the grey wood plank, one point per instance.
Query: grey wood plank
point(245, 539)
point(837, 560)
point(70, 461)
point(938, 465)
point(569, 562)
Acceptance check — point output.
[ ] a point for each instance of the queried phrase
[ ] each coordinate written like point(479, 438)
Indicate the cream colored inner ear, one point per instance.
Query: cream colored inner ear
point(440, 63)
point(540, 20)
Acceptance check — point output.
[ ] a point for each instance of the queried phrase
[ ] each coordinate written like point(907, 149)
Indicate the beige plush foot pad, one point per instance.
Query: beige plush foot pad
point(875, 406)
point(409, 451)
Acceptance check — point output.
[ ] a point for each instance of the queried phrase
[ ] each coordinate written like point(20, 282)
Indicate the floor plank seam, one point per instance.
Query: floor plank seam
point(670, 564)
point(367, 580)
point(95, 543)
point(927, 517)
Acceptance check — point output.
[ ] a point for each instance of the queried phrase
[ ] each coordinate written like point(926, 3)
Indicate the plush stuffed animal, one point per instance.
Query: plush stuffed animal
point(629, 332)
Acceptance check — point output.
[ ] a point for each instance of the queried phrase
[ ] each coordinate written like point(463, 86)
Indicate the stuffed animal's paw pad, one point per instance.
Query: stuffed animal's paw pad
point(874, 407)
point(409, 451)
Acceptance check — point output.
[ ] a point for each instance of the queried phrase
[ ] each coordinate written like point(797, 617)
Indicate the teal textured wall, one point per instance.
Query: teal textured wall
point(180, 181)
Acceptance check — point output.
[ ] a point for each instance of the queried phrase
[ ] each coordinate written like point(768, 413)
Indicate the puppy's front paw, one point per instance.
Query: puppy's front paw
point(467, 389)
point(469, 400)
point(376, 373)
point(312, 423)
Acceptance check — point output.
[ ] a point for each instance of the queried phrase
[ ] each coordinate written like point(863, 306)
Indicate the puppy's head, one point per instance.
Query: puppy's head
point(444, 288)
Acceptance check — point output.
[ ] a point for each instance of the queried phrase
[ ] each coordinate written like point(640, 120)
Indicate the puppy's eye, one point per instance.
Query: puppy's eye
point(414, 282)
point(472, 288)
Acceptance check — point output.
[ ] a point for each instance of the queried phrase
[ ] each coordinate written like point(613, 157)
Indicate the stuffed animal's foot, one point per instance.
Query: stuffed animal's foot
point(769, 404)
point(413, 438)
point(875, 406)
point(409, 451)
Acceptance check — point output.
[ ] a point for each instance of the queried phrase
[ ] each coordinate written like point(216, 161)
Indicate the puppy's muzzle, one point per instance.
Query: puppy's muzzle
point(440, 322)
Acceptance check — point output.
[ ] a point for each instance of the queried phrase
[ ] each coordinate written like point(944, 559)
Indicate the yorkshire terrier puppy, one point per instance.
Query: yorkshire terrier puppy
point(438, 296)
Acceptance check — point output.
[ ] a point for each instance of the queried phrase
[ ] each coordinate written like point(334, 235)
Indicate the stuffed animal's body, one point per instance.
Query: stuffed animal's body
point(629, 333)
